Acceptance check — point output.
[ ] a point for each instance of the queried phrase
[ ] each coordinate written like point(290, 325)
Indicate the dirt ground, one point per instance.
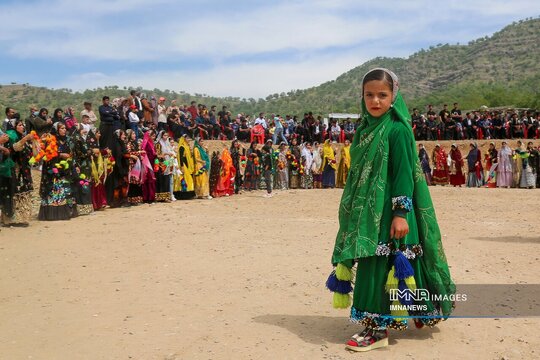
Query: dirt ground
point(243, 278)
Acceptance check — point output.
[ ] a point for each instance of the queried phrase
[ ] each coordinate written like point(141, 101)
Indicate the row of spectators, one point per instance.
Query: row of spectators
point(453, 125)
point(140, 113)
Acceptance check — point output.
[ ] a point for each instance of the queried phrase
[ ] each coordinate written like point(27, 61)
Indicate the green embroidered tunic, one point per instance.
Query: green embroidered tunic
point(386, 180)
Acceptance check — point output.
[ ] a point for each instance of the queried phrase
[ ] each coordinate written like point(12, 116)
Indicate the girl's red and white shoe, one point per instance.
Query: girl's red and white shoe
point(368, 340)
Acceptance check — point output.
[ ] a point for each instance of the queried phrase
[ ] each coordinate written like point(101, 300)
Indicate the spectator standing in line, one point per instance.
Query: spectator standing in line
point(162, 114)
point(278, 131)
point(108, 118)
point(90, 113)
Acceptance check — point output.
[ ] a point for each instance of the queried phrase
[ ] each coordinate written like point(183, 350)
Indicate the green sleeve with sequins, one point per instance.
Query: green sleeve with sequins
point(401, 164)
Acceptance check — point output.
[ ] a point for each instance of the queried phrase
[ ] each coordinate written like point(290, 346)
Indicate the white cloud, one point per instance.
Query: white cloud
point(251, 50)
point(241, 79)
point(81, 31)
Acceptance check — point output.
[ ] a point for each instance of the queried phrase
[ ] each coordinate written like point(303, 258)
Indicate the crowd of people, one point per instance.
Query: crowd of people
point(504, 167)
point(85, 168)
point(139, 150)
point(481, 124)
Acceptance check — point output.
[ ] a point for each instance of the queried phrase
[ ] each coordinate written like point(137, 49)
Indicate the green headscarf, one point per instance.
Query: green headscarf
point(7, 164)
point(204, 155)
point(362, 202)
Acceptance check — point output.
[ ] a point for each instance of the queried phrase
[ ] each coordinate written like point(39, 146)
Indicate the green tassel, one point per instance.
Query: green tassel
point(392, 281)
point(341, 301)
point(343, 272)
point(397, 313)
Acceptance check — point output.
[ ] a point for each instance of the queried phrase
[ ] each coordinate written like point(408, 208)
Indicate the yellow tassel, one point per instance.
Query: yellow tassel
point(398, 313)
point(391, 280)
point(343, 273)
point(411, 283)
point(341, 301)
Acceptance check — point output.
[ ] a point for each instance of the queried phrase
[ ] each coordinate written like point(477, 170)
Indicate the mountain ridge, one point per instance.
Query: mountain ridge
point(498, 70)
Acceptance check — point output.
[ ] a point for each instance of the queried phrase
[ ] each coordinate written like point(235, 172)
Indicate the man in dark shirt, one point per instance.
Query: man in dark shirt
point(267, 168)
point(109, 122)
point(416, 122)
point(226, 127)
point(456, 113)
point(469, 124)
point(430, 111)
point(498, 128)
point(222, 113)
point(444, 113)
point(349, 129)
point(244, 131)
point(431, 124)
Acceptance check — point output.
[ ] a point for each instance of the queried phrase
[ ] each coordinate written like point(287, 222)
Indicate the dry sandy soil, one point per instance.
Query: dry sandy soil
point(243, 278)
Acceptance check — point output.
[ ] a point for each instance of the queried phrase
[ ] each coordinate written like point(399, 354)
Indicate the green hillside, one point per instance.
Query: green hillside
point(501, 70)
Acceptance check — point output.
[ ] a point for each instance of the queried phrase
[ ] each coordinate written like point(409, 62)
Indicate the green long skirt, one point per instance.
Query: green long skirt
point(371, 303)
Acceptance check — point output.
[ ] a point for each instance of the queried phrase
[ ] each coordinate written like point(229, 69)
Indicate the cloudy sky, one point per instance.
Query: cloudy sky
point(228, 48)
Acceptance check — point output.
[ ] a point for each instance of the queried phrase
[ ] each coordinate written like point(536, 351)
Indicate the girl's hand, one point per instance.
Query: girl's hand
point(399, 228)
point(64, 156)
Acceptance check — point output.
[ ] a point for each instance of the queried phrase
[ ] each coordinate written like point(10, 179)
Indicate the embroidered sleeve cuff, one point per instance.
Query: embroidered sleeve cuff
point(401, 204)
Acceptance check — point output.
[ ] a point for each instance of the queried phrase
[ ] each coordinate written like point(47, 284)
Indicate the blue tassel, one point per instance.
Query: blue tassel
point(344, 287)
point(338, 286)
point(404, 300)
point(403, 268)
point(332, 282)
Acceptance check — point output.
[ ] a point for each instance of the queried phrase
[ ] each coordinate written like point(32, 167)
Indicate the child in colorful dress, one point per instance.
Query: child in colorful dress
point(388, 226)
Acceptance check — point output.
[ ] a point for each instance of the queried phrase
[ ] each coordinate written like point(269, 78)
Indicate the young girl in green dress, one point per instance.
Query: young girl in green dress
point(387, 226)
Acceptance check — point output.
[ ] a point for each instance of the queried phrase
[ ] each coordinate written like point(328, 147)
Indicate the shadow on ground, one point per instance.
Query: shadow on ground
point(317, 329)
point(511, 239)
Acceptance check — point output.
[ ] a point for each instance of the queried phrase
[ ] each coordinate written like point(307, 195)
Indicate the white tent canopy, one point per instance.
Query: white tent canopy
point(344, 116)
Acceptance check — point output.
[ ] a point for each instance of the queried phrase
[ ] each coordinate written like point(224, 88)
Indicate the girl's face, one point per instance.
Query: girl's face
point(61, 130)
point(378, 97)
point(123, 136)
point(347, 142)
point(133, 136)
point(165, 136)
point(153, 135)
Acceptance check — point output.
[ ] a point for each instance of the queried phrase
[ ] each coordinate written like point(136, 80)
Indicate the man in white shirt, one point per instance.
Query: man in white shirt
point(336, 131)
point(134, 119)
point(261, 120)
